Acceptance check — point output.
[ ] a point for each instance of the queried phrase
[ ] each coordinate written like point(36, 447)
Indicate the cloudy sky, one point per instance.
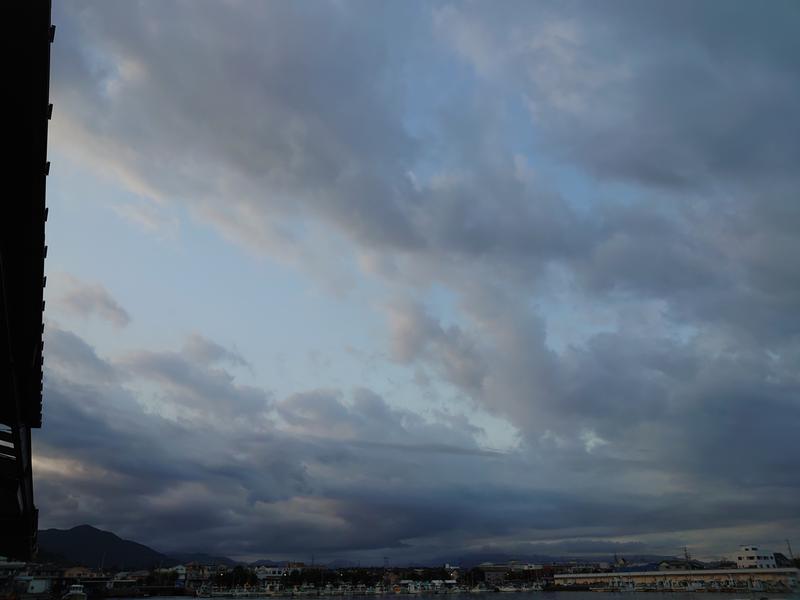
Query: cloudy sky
point(418, 279)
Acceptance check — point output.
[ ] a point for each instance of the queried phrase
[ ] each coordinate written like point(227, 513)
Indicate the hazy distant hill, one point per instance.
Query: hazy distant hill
point(203, 559)
point(469, 560)
point(85, 545)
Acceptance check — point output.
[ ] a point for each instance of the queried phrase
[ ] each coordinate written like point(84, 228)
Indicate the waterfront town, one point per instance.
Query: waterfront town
point(749, 569)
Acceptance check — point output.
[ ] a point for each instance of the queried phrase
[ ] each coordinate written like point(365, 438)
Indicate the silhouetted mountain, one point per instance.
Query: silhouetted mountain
point(88, 546)
point(341, 563)
point(85, 545)
point(45, 556)
point(91, 547)
point(203, 559)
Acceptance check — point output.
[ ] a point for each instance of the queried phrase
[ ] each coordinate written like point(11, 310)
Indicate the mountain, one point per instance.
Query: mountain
point(91, 547)
point(203, 559)
point(472, 559)
point(87, 546)
point(342, 563)
point(267, 563)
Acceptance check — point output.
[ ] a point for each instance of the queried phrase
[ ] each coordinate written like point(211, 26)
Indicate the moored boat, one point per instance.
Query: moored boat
point(75, 592)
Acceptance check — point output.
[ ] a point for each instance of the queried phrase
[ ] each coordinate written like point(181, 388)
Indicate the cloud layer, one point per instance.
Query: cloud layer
point(349, 475)
point(80, 298)
point(607, 199)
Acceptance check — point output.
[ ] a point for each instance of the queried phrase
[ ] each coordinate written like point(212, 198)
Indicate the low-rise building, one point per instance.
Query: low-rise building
point(31, 586)
point(8, 568)
point(78, 573)
point(265, 573)
point(753, 557)
point(198, 574)
point(180, 570)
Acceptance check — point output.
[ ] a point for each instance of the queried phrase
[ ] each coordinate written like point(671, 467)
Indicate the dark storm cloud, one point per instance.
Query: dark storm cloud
point(699, 101)
point(139, 472)
point(668, 93)
point(66, 352)
point(182, 485)
point(640, 406)
point(274, 121)
point(196, 388)
point(367, 421)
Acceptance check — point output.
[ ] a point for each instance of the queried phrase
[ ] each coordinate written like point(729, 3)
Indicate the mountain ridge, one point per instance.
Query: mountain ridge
point(89, 546)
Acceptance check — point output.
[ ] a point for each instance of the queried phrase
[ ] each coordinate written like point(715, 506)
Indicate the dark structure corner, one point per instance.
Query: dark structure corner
point(26, 52)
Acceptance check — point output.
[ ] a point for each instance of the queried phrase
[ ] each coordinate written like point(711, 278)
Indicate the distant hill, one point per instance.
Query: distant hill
point(341, 563)
point(91, 547)
point(473, 559)
point(203, 559)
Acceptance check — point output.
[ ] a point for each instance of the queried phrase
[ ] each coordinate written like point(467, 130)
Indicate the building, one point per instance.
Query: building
point(197, 574)
point(454, 572)
point(493, 573)
point(265, 573)
point(180, 570)
point(33, 586)
point(9, 568)
point(734, 580)
point(78, 573)
point(23, 213)
point(753, 557)
point(138, 576)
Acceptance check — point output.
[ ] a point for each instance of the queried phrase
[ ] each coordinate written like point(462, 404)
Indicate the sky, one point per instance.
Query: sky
point(424, 279)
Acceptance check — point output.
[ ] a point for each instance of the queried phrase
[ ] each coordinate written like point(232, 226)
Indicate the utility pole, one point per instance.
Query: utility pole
point(789, 546)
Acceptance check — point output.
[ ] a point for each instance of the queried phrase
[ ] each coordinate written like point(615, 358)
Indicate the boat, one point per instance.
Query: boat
point(75, 593)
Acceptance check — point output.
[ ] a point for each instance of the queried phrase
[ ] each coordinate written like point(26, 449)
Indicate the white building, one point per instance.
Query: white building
point(266, 573)
point(754, 557)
